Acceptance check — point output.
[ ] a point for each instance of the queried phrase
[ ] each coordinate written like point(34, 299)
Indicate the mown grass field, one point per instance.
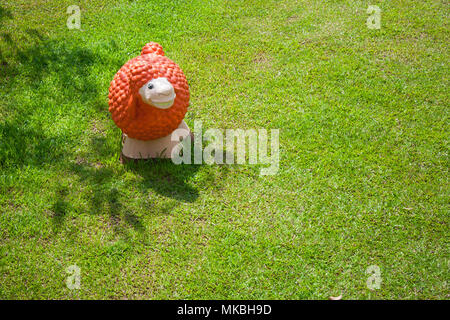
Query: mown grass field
point(363, 178)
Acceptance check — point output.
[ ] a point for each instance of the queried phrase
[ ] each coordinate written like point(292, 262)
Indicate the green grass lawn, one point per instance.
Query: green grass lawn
point(363, 178)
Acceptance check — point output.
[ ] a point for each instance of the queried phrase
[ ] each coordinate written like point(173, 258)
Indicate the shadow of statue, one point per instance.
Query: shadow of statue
point(166, 178)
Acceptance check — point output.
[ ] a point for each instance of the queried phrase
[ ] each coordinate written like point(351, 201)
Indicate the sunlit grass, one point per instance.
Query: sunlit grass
point(363, 119)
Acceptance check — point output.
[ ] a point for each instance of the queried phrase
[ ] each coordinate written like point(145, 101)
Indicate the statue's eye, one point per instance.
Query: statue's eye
point(150, 86)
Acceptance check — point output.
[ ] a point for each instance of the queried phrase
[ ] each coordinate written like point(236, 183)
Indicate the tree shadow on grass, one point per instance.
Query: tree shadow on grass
point(4, 68)
point(21, 145)
point(60, 207)
point(24, 143)
point(4, 13)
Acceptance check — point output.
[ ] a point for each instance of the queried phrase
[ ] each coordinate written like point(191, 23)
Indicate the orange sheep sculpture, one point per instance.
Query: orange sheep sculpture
point(149, 95)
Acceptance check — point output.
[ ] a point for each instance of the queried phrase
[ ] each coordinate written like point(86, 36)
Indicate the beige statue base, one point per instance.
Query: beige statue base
point(164, 147)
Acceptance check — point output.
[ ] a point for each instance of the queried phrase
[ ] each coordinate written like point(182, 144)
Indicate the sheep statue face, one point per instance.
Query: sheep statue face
point(158, 92)
point(149, 95)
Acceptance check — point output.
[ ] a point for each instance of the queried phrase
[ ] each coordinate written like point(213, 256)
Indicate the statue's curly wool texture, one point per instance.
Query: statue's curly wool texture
point(136, 118)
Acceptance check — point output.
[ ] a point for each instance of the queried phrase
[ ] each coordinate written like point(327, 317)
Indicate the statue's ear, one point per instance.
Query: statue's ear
point(131, 106)
point(138, 75)
point(152, 47)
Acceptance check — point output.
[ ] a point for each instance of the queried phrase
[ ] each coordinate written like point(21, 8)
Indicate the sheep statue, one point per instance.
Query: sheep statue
point(148, 99)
